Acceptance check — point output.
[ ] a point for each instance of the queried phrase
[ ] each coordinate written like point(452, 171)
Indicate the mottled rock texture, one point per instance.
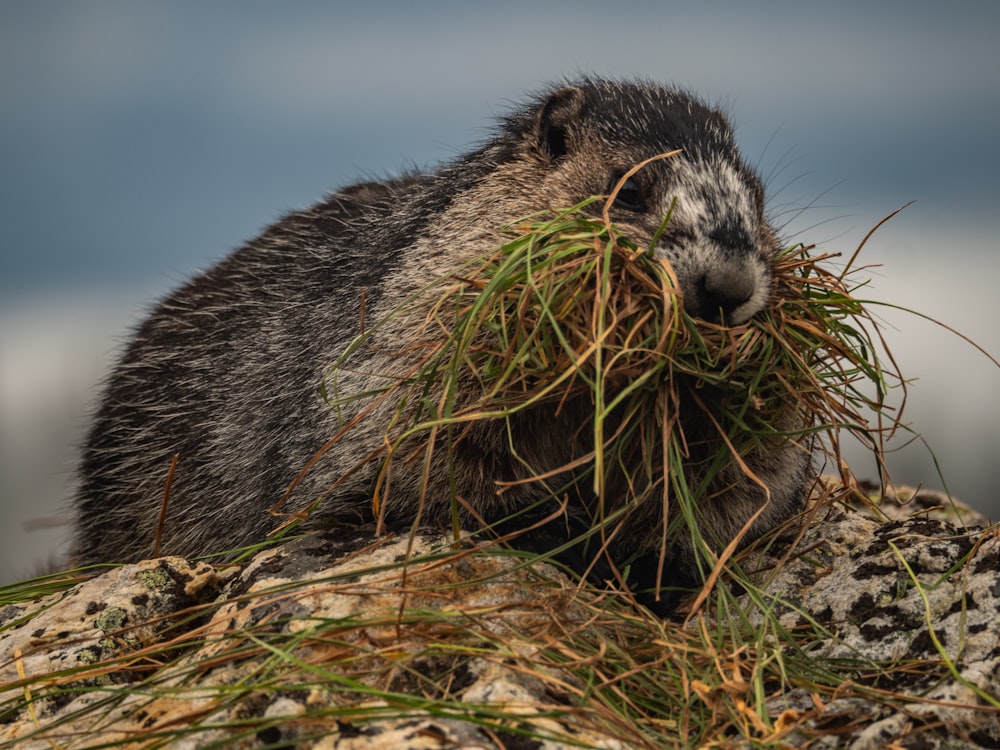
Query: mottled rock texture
point(168, 650)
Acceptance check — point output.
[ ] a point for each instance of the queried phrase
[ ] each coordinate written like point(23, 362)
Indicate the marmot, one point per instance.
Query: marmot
point(226, 371)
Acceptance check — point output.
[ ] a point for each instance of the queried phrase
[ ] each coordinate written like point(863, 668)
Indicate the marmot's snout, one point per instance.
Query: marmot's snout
point(729, 293)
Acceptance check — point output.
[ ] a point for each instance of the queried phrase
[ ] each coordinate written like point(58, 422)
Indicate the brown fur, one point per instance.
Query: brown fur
point(226, 371)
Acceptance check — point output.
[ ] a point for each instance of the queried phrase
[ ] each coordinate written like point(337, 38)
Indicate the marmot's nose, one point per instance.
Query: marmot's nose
point(722, 296)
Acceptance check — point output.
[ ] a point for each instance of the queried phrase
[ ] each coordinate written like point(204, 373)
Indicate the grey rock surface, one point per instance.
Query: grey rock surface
point(913, 602)
point(896, 595)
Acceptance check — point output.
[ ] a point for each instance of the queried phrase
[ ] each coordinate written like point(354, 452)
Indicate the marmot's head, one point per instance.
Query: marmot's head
point(583, 138)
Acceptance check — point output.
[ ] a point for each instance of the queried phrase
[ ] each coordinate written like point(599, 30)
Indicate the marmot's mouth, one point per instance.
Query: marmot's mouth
point(725, 298)
point(722, 290)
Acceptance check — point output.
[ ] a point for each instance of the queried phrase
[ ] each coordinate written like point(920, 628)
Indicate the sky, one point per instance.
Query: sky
point(142, 141)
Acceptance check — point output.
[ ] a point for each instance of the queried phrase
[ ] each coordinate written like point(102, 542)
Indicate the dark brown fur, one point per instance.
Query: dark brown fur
point(226, 371)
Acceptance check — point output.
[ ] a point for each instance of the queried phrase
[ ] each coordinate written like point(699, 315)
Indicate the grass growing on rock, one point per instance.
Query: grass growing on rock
point(479, 645)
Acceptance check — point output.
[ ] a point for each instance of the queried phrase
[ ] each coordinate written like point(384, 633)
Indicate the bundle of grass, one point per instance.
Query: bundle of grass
point(572, 341)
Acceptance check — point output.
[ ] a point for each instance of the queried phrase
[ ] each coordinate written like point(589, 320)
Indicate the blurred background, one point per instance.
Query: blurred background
point(141, 141)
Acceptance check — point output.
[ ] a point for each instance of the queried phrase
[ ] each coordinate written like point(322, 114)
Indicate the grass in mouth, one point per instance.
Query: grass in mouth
point(569, 310)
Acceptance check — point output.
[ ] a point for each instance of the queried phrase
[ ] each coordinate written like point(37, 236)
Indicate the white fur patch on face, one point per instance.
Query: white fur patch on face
point(710, 193)
point(724, 270)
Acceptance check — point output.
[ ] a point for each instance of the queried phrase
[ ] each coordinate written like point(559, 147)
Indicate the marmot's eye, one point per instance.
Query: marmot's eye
point(630, 197)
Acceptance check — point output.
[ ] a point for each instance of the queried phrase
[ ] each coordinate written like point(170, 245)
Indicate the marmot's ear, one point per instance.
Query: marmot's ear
point(556, 119)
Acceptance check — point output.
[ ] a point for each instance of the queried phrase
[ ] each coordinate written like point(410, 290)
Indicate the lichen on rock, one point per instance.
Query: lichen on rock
point(413, 643)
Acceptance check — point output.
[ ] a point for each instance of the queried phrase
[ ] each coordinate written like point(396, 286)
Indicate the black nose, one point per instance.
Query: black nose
point(719, 295)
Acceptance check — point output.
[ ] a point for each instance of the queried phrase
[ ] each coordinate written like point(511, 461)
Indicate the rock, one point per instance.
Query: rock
point(409, 643)
point(915, 604)
point(118, 613)
point(279, 597)
point(901, 502)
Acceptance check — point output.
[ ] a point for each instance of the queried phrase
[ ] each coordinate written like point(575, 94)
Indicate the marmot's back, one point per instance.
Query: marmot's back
point(226, 372)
